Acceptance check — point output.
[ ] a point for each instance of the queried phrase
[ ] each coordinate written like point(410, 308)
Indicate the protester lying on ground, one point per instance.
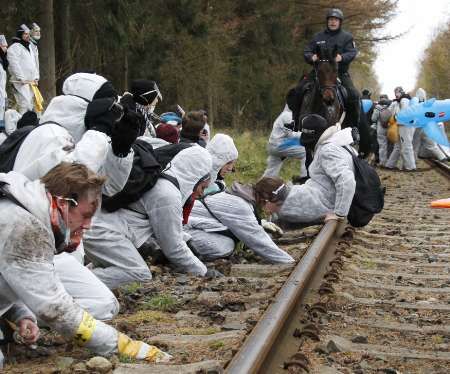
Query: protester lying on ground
point(219, 221)
point(38, 219)
point(328, 193)
point(192, 127)
point(113, 241)
point(284, 143)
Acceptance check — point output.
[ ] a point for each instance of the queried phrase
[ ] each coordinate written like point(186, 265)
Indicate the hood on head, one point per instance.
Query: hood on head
point(84, 85)
point(31, 194)
point(222, 150)
point(335, 135)
point(421, 94)
point(189, 166)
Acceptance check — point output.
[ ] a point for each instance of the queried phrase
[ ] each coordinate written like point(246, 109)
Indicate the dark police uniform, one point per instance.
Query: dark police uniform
point(345, 45)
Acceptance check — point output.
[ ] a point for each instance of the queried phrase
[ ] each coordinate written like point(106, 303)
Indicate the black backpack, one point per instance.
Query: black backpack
point(10, 148)
point(369, 193)
point(148, 166)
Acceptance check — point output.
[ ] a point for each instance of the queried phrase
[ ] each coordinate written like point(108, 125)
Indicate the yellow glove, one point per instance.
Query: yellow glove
point(140, 350)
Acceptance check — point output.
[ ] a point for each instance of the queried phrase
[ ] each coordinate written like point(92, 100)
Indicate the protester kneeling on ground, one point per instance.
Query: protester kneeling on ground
point(328, 194)
point(219, 220)
point(113, 241)
point(39, 219)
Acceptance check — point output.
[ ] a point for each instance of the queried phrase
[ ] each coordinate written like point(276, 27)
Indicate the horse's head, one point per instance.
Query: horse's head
point(327, 72)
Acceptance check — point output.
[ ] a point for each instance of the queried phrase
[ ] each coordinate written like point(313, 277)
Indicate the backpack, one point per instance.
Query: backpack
point(369, 193)
point(385, 115)
point(148, 166)
point(10, 148)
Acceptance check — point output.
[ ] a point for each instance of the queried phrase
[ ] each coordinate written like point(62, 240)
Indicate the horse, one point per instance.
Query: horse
point(323, 94)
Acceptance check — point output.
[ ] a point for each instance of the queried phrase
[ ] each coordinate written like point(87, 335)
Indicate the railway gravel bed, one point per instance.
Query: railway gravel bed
point(384, 306)
point(201, 322)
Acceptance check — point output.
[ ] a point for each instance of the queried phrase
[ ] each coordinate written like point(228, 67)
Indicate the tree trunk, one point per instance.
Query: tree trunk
point(47, 50)
point(62, 42)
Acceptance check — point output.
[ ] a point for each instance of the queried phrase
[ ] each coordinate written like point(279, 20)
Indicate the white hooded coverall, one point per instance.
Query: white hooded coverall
point(50, 144)
point(112, 242)
point(237, 215)
point(331, 186)
point(27, 272)
point(404, 147)
point(280, 146)
point(22, 67)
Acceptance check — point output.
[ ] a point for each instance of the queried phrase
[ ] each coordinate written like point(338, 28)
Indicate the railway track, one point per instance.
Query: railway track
point(371, 300)
point(383, 304)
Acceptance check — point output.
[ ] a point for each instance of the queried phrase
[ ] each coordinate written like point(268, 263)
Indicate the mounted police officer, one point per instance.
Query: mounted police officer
point(334, 36)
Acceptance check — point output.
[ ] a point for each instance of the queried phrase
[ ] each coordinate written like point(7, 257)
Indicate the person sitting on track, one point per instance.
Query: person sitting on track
point(328, 193)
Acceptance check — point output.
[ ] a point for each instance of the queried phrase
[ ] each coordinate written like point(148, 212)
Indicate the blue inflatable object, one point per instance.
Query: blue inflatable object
point(426, 115)
point(289, 143)
point(366, 105)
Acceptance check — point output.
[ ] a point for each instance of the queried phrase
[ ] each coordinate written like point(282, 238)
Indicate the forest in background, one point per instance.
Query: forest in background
point(433, 74)
point(235, 58)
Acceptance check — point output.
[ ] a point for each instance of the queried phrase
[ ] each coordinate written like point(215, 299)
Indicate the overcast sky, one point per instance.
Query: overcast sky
point(398, 61)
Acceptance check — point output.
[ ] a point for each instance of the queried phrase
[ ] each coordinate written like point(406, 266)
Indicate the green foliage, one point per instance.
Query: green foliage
point(235, 58)
point(252, 161)
point(216, 345)
point(163, 303)
point(131, 288)
point(433, 75)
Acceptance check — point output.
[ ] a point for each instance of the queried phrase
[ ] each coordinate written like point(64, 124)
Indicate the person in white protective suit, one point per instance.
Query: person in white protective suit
point(284, 143)
point(38, 219)
point(23, 69)
point(423, 145)
point(328, 194)
point(382, 140)
point(219, 219)
point(404, 147)
point(3, 79)
point(63, 136)
point(35, 36)
point(112, 242)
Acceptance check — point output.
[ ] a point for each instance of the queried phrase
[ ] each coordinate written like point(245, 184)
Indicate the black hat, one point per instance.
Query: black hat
point(312, 127)
point(28, 119)
point(336, 13)
point(144, 91)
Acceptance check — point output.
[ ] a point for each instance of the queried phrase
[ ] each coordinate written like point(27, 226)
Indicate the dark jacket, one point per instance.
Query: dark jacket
point(343, 40)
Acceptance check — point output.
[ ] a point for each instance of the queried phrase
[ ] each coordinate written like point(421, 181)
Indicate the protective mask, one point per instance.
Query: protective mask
point(61, 231)
point(36, 37)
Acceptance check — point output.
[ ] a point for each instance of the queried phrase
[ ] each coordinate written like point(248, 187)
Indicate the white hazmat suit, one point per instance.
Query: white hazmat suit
point(112, 242)
point(331, 186)
point(23, 69)
point(284, 143)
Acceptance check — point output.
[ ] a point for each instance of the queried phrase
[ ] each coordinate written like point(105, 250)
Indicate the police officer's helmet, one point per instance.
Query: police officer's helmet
point(335, 12)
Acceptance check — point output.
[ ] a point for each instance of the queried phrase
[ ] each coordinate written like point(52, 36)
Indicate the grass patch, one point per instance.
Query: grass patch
point(252, 159)
point(149, 316)
point(163, 303)
point(124, 359)
point(130, 288)
point(197, 331)
point(216, 345)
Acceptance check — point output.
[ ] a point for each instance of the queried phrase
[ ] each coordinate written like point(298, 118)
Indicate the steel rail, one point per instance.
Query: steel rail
point(253, 352)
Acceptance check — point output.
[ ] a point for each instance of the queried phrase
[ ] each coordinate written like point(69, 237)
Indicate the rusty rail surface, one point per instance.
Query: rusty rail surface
point(253, 352)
